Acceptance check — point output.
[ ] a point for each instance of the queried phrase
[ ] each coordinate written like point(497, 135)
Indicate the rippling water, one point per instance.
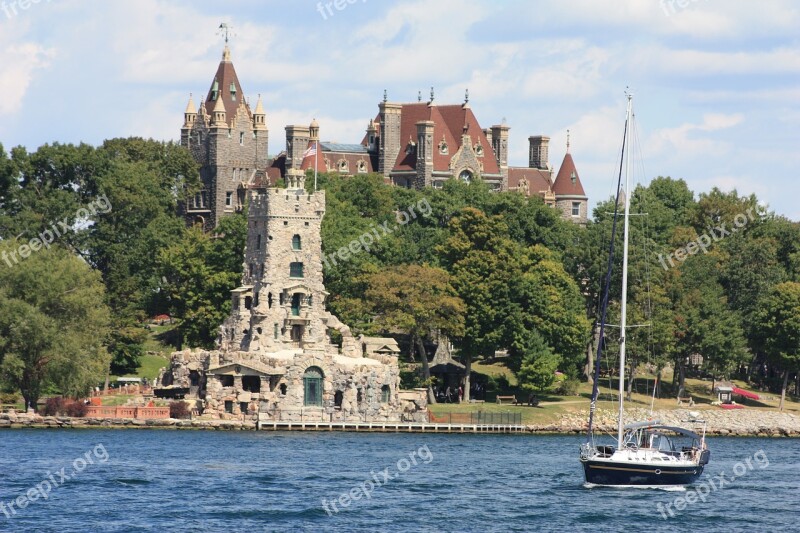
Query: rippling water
point(151, 480)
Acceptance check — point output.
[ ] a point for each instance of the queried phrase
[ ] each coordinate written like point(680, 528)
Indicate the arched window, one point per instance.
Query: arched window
point(296, 242)
point(283, 389)
point(465, 176)
point(312, 385)
point(337, 399)
point(269, 300)
point(386, 393)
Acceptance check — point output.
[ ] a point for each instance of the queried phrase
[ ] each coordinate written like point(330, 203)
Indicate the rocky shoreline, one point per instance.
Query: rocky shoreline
point(736, 423)
point(740, 423)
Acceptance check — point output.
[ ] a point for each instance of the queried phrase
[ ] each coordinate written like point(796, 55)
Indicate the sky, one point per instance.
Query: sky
point(716, 83)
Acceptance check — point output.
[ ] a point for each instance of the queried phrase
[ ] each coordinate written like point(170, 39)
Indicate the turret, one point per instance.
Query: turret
point(259, 117)
point(218, 119)
point(190, 115)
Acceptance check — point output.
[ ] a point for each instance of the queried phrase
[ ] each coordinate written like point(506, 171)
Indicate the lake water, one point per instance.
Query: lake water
point(157, 480)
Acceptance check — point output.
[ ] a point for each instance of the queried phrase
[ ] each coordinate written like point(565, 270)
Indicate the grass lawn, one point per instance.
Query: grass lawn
point(553, 406)
point(157, 357)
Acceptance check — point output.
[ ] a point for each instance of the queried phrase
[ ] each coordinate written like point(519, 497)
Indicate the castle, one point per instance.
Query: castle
point(419, 144)
point(275, 356)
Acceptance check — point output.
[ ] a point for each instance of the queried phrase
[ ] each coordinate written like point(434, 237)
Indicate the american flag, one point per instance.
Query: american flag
point(311, 151)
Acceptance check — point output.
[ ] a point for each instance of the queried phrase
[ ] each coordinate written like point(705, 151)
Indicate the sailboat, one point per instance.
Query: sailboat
point(645, 453)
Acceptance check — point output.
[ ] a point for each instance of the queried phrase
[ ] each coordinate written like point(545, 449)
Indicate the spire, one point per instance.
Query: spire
point(225, 86)
point(259, 117)
point(190, 115)
point(190, 108)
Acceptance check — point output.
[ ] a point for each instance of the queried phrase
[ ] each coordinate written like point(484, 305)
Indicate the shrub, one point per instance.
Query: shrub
point(77, 409)
point(54, 406)
point(9, 397)
point(178, 409)
point(568, 387)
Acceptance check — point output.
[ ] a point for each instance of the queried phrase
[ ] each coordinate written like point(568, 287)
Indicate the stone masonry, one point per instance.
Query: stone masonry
point(275, 353)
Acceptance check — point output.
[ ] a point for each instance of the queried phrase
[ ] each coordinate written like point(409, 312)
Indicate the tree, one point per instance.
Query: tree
point(53, 324)
point(198, 272)
point(539, 364)
point(481, 260)
point(779, 321)
point(416, 300)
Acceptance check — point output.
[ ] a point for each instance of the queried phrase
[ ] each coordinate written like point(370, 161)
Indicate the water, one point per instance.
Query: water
point(151, 480)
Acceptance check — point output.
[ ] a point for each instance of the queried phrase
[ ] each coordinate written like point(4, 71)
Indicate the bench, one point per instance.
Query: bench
point(688, 400)
point(509, 399)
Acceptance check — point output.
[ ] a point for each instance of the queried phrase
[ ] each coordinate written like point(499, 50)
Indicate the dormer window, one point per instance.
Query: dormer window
point(233, 91)
point(573, 177)
point(362, 167)
point(443, 148)
point(411, 147)
point(479, 150)
point(342, 165)
point(215, 90)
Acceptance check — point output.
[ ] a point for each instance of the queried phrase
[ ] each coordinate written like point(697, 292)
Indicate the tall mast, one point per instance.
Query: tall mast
point(624, 303)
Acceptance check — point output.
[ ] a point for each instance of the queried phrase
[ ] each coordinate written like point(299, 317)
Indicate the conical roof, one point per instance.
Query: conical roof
point(568, 183)
point(229, 90)
point(190, 108)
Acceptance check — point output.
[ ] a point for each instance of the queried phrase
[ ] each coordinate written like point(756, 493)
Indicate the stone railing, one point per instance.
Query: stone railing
point(100, 411)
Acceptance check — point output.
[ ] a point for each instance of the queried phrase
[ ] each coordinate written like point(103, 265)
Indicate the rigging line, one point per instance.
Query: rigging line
point(604, 301)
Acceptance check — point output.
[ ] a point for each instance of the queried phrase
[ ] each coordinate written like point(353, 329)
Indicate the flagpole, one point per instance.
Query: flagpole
point(316, 149)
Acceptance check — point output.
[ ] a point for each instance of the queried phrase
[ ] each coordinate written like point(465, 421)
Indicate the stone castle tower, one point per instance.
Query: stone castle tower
point(275, 358)
point(281, 303)
point(229, 141)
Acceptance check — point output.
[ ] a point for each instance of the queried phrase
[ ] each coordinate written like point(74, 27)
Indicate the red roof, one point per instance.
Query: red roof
point(450, 123)
point(327, 160)
point(567, 182)
point(226, 75)
point(538, 180)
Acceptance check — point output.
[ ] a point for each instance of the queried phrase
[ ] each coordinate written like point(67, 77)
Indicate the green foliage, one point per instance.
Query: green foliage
point(778, 320)
point(198, 272)
point(53, 324)
point(539, 364)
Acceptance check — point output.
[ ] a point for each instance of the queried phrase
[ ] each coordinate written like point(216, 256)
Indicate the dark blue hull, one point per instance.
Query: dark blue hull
point(605, 473)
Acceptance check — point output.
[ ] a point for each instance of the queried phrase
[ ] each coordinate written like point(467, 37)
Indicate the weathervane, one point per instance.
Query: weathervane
point(225, 29)
point(567, 141)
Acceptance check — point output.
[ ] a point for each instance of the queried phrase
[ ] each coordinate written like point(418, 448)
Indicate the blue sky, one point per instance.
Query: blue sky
point(717, 82)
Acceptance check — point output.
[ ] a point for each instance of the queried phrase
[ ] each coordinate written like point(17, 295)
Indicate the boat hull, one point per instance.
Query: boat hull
point(625, 474)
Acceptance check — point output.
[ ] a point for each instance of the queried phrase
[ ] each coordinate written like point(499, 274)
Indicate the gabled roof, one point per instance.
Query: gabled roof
point(450, 123)
point(380, 344)
point(567, 182)
point(225, 76)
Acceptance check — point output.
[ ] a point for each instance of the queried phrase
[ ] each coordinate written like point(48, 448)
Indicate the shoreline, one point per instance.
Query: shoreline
point(724, 424)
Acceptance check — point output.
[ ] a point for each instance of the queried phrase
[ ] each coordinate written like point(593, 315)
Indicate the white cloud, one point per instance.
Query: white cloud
point(682, 142)
point(18, 73)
